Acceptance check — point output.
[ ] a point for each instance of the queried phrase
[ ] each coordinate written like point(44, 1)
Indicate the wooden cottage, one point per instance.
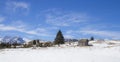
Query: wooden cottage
point(83, 42)
point(34, 42)
point(38, 43)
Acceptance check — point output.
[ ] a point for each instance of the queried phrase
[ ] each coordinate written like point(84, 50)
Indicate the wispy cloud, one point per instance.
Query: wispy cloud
point(2, 19)
point(21, 27)
point(39, 32)
point(15, 6)
point(102, 33)
point(64, 18)
point(100, 30)
point(69, 36)
point(95, 32)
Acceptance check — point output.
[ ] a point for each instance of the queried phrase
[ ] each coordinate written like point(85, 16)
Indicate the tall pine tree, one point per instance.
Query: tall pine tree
point(59, 38)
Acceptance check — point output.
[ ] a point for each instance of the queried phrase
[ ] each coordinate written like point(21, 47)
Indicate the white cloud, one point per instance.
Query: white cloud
point(7, 28)
point(95, 32)
point(14, 6)
point(102, 33)
point(2, 19)
point(18, 24)
point(69, 32)
point(40, 32)
point(21, 27)
point(98, 30)
point(69, 36)
point(21, 5)
point(62, 18)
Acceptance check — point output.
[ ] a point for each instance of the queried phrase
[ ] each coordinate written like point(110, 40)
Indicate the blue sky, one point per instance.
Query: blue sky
point(41, 19)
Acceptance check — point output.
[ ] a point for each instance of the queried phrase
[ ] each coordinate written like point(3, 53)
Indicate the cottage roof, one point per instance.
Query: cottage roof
point(83, 40)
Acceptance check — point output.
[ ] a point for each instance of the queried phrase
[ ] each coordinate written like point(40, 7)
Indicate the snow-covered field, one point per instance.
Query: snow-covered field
point(99, 52)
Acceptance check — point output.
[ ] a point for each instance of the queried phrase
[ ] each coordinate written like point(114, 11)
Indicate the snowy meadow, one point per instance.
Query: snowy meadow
point(99, 52)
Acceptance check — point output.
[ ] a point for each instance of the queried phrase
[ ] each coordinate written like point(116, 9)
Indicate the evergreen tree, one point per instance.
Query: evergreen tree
point(92, 38)
point(59, 38)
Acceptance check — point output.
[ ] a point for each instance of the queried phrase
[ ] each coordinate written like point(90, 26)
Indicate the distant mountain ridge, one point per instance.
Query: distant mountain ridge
point(12, 40)
point(71, 40)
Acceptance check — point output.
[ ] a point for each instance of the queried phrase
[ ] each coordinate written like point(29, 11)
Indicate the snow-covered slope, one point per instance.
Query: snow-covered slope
point(99, 52)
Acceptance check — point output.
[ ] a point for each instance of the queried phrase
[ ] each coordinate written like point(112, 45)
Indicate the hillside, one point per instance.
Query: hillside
point(108, 51)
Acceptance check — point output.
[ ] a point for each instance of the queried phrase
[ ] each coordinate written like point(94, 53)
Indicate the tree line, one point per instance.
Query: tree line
point(59, 39)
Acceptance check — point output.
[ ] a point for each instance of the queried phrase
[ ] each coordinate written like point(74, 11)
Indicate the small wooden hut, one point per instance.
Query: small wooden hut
point(83, 42)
